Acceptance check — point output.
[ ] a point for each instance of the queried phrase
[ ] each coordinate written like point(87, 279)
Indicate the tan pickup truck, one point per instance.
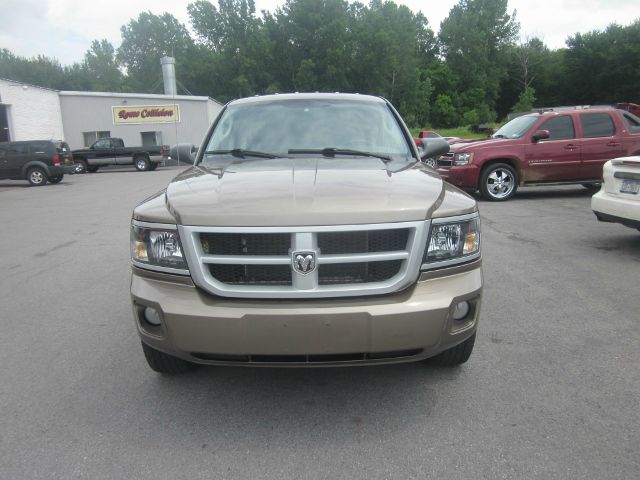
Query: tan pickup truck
point(307, 233)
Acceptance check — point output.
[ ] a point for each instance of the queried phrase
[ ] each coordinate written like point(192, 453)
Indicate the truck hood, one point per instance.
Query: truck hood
point(482, 143)
point(304, 191)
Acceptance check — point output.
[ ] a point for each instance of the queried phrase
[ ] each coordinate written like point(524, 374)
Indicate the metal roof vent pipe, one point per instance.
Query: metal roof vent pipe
point(169, 75)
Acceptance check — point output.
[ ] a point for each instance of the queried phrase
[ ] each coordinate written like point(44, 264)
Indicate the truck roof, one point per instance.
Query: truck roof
point(308, 96)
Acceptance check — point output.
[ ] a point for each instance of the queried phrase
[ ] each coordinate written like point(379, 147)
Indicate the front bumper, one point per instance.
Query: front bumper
point(410, 325)
point(465, 177)
point(617, 208)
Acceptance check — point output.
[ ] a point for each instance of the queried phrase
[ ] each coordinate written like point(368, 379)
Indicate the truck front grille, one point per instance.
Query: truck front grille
point(366, 272)
point(446, 160)
point(305, 262)
point(365, 241)
point(251, 274)
point(246, 243)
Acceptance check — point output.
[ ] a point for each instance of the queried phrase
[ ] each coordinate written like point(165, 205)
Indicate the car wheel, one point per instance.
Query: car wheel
point(56, 179)
point(456, 355)
point(92, 168)
point(163, 363)
point(430, 162)
point(80, 166)
point(36, 176)
point(498, 182)
point(142, 164)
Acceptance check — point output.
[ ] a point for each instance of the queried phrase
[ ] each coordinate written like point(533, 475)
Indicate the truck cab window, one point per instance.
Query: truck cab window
point(560, 128)
point(597, 125)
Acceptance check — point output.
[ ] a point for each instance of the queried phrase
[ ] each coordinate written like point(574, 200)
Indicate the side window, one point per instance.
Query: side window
point(103, 144)
point(560, 128)
point(596, 125)
point(18, 149)
point(90, 137)
point(39, 147)
point(633, 122)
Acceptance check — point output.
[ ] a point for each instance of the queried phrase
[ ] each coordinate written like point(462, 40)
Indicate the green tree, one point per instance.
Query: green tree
point(444, 112)
point(525, 101)
point(474, 39)
point(101, 67)
point(238, 45)
point(147, 39)
point(604, 66)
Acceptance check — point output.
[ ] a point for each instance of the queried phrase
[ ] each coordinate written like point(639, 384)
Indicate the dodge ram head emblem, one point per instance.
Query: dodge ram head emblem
point(304, 262)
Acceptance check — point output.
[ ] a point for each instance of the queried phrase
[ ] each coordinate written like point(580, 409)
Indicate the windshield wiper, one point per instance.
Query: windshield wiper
point(241, 153)
point(332, 152)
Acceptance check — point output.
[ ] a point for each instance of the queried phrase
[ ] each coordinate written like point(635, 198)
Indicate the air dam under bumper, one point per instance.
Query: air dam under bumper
point(407, 326)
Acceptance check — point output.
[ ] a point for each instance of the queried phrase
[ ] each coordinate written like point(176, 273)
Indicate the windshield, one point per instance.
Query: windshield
point(278, 126)
point(516, 127)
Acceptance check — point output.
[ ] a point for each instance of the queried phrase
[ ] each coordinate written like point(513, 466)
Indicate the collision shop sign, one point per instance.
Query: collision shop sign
point(135, 114)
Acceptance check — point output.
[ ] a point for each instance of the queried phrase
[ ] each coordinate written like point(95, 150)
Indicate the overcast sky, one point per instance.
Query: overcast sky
point(64, 29)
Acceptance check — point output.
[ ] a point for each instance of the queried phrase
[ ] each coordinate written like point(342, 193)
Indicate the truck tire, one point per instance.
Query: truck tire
point(162, 363)
point(56, 179)
point(153, 166)
point(36, 176)
point(455, 355)
point(81, 166)
point(498, 182)
point(141, 163)
point(92, 168)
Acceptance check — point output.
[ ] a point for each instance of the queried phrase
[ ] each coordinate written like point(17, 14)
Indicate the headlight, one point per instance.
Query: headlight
point(157, 249)
point(452, 241)
point(463, 158)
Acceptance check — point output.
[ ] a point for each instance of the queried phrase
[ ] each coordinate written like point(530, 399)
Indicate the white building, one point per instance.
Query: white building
point(28, 112)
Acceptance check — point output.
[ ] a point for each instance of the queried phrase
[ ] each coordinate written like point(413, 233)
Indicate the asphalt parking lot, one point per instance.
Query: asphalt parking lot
point(551, 390)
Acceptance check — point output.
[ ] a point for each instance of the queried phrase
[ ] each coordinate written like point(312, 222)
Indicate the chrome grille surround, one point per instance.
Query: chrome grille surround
point(446, 160)
point(305, 239)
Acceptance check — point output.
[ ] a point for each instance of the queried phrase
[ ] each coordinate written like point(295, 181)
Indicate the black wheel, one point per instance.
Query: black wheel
point(80, 166)
point(56, 179)
point(142, 163)
point(592, 186)
point(456, 355)
point(498, 182)
point(92, 168)
point(162, 363)
point(36, 176)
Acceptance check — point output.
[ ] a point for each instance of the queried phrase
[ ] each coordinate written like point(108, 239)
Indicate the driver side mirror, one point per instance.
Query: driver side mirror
point(540, 135)
point(433, 147)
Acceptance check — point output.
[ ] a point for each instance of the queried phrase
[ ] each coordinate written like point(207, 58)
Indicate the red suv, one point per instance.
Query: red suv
point(556, 147)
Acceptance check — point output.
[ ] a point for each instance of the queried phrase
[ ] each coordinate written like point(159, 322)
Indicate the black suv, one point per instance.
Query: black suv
point(37, 161)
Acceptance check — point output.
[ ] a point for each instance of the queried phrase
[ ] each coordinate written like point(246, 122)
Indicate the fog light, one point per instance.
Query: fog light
point(461, 310)
point(152, 316)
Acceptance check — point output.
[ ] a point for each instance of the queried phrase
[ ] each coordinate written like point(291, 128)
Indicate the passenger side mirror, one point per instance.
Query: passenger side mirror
point(540, 135)
point(433, 147)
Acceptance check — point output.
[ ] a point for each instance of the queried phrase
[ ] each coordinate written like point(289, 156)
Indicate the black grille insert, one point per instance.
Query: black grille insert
point(366, 241)
point(363, 272)
point(313, 358)
point(246, 243)
point(251, 274)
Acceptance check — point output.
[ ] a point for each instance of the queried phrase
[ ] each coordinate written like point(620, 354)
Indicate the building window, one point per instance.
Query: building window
point(90, 137)
point(150, 139)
